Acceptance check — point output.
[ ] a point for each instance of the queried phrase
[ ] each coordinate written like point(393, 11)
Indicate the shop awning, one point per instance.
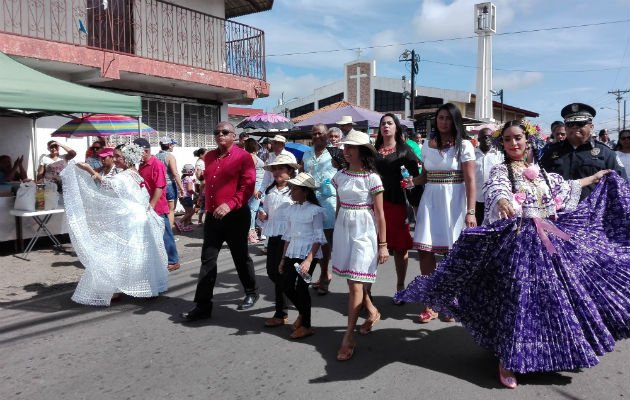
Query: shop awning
point(24, 88)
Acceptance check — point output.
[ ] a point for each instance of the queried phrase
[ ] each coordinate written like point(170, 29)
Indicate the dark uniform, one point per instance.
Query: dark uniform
point(588, 159)
point(585, 160)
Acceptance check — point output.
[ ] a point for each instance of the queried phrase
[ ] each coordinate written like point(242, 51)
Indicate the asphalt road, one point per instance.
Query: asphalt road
point(52, 348)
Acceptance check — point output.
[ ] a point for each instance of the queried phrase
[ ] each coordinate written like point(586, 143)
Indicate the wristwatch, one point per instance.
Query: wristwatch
point(470, 212)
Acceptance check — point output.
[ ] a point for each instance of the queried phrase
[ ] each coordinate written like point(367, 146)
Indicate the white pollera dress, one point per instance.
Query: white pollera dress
point(442, 209)
point(355, 250)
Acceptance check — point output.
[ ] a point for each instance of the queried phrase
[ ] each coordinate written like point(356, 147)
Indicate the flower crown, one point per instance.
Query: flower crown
point(535, 139)
point(132, 153)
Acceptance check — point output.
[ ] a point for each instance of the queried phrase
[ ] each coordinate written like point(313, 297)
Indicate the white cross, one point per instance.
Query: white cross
point(358, 77)
point(359, 51)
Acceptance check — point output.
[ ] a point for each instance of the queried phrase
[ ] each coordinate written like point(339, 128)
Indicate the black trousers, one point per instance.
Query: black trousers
point(275, 247)
point(232, 229)
point(297, 290)
point(479, 212)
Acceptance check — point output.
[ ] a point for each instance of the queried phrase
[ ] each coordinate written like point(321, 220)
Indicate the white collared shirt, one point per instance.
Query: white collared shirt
point(483, 165)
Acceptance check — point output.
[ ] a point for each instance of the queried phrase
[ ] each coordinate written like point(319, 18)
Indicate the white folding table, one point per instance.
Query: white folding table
point(41, 217)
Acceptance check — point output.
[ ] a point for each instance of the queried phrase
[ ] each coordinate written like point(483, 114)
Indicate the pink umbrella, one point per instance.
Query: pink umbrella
point(266, 121)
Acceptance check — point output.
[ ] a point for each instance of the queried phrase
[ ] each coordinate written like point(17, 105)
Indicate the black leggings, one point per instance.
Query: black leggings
point(275, 248)
point(297, 290)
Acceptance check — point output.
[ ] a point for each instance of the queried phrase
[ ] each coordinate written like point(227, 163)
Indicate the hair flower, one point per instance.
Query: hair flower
point(531, 172)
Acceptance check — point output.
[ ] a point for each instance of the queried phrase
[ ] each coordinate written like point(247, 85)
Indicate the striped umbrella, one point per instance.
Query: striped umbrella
point(101, 125)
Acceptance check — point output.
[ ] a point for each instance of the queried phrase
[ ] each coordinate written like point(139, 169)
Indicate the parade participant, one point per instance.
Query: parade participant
point(623, 151)
point(200, 166)
point(91, 155)
point(448, 203)
point(275, 216)
point(252, 147)
point(579, 155)
point(546, 285)
point(12, 171)
point(277, 146)
point(115, 233)
point(345, 124)
point(335, 136)
point(317, 161)
point(185, 223)
point(303, 238)
point(358, 246)
point(51, 164)
point(154, 174)
point(229, 179)
point(394, 153)
point(486, 156)
point(265, 149)
point(174, 187)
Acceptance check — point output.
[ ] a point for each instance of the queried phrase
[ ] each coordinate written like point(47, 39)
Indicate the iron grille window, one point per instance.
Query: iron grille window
point(306, 108)
point(388, 101)
point(199, 123)
point(330, 100)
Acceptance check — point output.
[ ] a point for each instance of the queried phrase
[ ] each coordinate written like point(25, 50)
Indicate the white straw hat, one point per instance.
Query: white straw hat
point(303, 179)
point(346, 119)
point(358, 138)
point(279, 138)
point(282, 159)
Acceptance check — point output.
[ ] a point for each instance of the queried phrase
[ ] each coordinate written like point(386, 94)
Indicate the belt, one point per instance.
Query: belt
point(445, 177)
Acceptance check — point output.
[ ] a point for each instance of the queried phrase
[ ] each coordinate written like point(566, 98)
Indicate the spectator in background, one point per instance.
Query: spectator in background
point(265, 148)
point(604, 137)
point(11, 171)
point(242, 138)
point(335, 136)
point(51, 164)
point(345, 124)
point(200, 166)
point(486, 157)
point(623, 151)
point(558, 131)
point(252, 147)
point(108, 168)
point(174, 187)
point(92, 154)
point(154, 174)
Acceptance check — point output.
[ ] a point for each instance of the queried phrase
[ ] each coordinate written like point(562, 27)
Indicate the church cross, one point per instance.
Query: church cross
point(358, 77)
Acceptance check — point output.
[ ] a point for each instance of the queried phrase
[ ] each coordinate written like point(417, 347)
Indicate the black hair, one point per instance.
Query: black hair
point(119, 147)
point(556, 124)
point(603, 132)
point(243, 135)
point(251, 145)
point(49, 143)
point(508, 162)
point(310, 195)
point(199, 152)
point(368, 160)
point(618, 145)
point(164, 146)
point(292, 173)
point(458, 132)
point(399, 136)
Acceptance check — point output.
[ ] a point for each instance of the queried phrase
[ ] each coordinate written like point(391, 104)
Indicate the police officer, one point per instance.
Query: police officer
point(579, 156)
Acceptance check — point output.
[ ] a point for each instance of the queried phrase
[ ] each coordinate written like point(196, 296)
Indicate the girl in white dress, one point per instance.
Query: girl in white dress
point(303, 238)
point(448, 204)
point(360, 219)
point(274, 215)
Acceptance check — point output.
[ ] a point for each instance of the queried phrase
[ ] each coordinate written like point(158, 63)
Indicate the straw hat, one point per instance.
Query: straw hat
point(282, 159)
point(279, 138)
point(358, 138)
point(346, 119)
point(303, 179)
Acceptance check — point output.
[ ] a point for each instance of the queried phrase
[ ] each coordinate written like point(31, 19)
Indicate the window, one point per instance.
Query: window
point(306, 108)
point(330, 100)
point(199, 123)
point(388, 101)
point(422, 102)
point(111, 28)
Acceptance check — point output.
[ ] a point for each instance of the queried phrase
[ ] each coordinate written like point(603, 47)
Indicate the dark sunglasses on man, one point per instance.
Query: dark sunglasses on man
point(223, 132)
point(577, 124)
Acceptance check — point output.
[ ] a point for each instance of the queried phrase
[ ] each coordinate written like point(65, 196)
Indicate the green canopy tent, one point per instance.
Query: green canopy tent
point(32, 94)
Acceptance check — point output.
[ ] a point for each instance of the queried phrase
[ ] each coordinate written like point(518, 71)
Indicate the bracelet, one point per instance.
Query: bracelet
point(471, 211)
point(96, 175)
point(382, 243)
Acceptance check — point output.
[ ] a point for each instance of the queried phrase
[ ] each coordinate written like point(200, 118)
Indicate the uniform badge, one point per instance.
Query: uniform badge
point(595, 152)
point(575, 107)
point(555, 155)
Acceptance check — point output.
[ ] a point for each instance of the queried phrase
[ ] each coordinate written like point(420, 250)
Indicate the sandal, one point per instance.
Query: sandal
point(507, 377)
point(301, 333)
point(369, 324)
point(399, 302)
point(178, 225)
point(427, 316)
point(345, 352)
point(275, 321)
point(297, 323)
point(322, 288)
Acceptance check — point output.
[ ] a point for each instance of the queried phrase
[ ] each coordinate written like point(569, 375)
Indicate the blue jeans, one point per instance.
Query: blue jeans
point(253, 207)
point(169, 242)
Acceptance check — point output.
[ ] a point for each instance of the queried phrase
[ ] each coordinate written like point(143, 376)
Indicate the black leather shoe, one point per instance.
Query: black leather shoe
point(249, 301)
point(196, 314)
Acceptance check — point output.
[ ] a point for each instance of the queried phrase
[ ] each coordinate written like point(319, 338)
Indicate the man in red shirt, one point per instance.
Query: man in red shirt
point(153, 172)
point(230, 177)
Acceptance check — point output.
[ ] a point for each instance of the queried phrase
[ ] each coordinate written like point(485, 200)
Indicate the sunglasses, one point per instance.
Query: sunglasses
point(96, 147)
point(54, 146)
point(224, 132)
point(577, 124)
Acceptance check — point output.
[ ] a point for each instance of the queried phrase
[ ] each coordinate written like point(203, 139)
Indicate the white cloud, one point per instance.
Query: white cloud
point(516, 80)
point(293, 86)
point(389, 53)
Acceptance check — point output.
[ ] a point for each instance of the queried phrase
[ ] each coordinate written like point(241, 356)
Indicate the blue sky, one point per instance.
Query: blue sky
point(541, 71)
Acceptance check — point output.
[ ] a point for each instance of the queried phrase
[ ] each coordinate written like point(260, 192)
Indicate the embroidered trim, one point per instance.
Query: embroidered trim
point(356, 173)
point(362, 206)
point(430, 248)
point(377, 189)
point(445, 176)
point(335, 183)
point(354, 275)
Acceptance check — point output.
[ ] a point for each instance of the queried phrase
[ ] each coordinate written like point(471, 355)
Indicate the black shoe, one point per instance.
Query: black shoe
point(249, 301)
point(196, 314)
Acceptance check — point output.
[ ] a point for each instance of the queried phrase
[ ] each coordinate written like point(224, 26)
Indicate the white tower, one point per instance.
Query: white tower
point(485, 27)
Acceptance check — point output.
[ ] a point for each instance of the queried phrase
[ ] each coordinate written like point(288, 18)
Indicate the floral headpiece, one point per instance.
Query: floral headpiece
point(535, 139)
point(132, 153)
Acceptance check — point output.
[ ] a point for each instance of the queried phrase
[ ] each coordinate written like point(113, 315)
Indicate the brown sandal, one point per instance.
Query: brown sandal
point(322, 288)
point(297, 323)
point(345, 352)
point(369, 324)
point(301, 332)
point(275, 321)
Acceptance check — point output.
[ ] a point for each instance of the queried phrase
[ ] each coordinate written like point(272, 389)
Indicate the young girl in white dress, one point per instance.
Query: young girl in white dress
point(303, 238)
point(274, 215)
point(359, 234)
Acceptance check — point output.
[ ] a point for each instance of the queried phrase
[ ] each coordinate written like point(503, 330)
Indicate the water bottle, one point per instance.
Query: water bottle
point(405, 174)
point(306, 276)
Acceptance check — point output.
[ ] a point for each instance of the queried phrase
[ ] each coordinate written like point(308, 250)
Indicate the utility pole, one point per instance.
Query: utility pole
point(413, 58)
point(619, 92)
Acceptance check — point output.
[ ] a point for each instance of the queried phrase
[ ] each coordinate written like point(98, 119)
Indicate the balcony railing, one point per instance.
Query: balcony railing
point(152, 29)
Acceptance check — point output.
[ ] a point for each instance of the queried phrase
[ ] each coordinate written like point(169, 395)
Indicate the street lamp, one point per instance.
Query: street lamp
point(500, 94)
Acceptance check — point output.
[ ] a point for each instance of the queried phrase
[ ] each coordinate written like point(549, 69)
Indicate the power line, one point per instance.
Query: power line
point(449, 39)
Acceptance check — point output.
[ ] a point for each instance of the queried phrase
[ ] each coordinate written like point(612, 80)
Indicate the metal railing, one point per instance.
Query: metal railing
point(152, 29)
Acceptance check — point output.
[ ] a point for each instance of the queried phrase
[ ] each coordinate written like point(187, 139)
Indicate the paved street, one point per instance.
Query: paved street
point(53, 348)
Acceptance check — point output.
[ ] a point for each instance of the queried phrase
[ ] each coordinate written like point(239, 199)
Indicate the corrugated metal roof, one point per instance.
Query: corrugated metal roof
point(237, 8)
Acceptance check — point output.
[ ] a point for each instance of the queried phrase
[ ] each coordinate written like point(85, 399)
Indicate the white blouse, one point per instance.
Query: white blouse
point(277, 204)
point(305, 227)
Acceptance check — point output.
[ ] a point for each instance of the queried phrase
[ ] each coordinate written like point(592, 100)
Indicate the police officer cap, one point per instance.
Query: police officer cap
point(577, 112)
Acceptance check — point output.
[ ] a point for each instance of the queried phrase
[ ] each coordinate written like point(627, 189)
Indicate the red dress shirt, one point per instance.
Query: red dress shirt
point(229, 178)
point(154, 174)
